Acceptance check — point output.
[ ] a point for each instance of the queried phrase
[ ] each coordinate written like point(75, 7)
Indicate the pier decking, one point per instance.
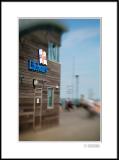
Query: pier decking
point(75, 125)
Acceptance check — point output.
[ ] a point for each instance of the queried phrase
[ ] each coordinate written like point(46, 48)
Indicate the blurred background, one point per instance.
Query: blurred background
point(80, 86)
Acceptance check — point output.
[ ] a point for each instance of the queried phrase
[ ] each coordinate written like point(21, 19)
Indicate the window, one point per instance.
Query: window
point(50, 97)
point(53, 52)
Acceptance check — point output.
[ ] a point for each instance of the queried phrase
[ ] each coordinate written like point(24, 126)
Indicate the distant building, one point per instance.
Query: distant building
point(39, 73)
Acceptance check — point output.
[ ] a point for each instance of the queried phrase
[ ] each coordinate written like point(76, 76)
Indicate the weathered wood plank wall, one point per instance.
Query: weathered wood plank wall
point(28, 49)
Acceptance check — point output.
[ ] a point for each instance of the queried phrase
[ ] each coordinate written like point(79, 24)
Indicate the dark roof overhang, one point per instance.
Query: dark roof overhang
point(29, 25)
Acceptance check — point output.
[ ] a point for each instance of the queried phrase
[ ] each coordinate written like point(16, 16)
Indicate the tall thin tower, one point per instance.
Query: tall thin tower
point(73, 75)
point(77, 86)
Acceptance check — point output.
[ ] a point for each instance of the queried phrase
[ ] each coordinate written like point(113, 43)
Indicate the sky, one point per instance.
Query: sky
point(80, 54)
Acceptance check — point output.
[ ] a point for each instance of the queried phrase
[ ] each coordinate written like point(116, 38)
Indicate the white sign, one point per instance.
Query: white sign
point(42, 57)
point(37, 100)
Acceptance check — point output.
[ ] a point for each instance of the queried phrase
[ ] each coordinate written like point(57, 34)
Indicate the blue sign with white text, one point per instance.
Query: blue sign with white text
point(35, 66)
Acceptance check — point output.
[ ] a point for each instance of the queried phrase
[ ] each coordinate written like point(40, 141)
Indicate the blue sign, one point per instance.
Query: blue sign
point(35, 66)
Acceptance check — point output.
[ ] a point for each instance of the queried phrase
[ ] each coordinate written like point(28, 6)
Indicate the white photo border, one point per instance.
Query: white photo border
point(11, 146)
